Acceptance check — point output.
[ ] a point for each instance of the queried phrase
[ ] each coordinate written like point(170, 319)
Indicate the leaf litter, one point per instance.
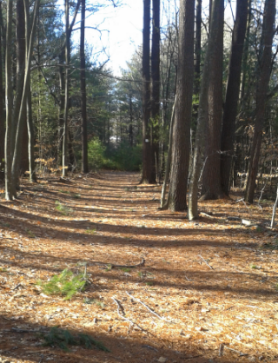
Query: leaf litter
point(206, 292)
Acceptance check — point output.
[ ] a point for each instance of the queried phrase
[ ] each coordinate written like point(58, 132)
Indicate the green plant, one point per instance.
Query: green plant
point(96, 154)
point(123, 157)
point(90, 231)
point(126, 269)
point(108, 267)
point(63, 338)
point(64, 191)
point(254, 267)
point(30, 234)
point(66, 284)
point(63, 209)
point(94, 301)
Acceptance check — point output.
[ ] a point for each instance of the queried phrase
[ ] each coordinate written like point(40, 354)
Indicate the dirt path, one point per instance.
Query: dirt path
point(207, 283)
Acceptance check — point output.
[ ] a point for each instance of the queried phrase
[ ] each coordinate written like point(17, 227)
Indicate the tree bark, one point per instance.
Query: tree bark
point(182, 121)
point(211, 176)
point(2, 97)
point(29, 40)
point(31, 136)
point(22, 164)
point(85, 168)
point(147, 162)
point(65, 129)
point(264, 71)
point(197, 68)
point(9, 186)
point(201, 133)
point(155, 106)
point(232, 95)
point(168, 162)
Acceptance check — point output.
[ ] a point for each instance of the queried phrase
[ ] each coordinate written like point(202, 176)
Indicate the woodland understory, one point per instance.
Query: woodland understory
point(198, 291)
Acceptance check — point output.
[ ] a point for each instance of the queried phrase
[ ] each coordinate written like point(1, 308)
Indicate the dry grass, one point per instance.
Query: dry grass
point(231, 299)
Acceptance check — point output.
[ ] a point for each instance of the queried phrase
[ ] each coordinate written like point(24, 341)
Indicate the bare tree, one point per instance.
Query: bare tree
point(85, 167)
point(155, 75)
point(211, 176)
point(264, 72)
point(201, 135)
point(232, 94)
point(182, 120)
point(147, 161)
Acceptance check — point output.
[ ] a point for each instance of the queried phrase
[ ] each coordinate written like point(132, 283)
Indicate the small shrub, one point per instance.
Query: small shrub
point(95, 154)
point(66, 284)
point(63, 338)
point(63, 209)
point(90, 231)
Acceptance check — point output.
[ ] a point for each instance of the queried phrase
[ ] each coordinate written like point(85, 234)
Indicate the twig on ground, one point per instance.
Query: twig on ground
point(120, 308)
point(221, 350)
point(17, 286)
point(112, 265)
point(146, 306)
point(207, 215)
point(187, 278)
point(205, 262)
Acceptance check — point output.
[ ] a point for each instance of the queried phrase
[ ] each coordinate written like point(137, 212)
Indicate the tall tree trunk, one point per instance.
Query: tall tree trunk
point(264, 71)
point(201, 133)
point(130, 128)
point(31, 136)
point(147, 162)
point(245, 56)
point(211, 177)
point(67, 55)
point(232, 95)
point(85, 167)
point(155, 106)
point(29, 40)
point(61, 106)
point(22, 164)
point(9, 185)
point(2, 97)
point(182, 120)
point(168, 162)
point(198, 48)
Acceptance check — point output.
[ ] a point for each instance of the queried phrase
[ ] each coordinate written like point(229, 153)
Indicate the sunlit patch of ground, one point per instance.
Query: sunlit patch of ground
point(208, 282)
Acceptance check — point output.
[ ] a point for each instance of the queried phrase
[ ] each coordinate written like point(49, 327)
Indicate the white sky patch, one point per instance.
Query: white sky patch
point(121, 30)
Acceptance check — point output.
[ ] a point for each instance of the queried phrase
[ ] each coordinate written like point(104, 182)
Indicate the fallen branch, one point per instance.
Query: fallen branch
point(112, 265)
point(205, 262)
point(221, 350)
point(120, 308)
point(146, 306)
point(207, 215)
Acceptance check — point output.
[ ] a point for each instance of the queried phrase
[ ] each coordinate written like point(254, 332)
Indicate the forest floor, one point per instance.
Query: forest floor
point(205, 284)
